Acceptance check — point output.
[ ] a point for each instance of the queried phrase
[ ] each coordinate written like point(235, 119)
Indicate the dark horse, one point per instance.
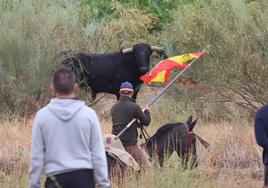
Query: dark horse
point(171, 137)
point(177, 137)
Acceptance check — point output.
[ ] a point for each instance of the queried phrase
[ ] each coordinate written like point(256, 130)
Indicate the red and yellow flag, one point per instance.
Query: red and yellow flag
point(161, 72)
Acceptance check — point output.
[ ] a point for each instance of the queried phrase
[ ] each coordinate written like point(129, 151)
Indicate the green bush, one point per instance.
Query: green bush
point(29, 39)
point(235, 33)
point(34, 33)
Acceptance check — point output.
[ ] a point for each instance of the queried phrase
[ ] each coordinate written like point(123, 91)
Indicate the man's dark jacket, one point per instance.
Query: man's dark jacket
point(261, 131)
point(122, 113)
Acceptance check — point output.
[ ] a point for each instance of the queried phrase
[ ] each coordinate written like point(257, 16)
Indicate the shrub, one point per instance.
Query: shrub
point(34, 34)
point(235, 35)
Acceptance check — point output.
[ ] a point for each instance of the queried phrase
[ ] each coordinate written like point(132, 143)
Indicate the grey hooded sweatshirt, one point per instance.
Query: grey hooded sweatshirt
point(67, 137)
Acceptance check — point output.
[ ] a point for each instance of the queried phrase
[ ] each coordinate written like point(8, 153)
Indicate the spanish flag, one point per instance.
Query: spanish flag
point(161, 72)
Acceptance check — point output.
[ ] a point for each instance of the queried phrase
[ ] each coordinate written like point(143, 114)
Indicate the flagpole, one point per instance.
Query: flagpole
point(159, 94)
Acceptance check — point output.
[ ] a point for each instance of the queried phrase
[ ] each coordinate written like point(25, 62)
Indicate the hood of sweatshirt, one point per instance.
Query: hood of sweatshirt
point(65, 109)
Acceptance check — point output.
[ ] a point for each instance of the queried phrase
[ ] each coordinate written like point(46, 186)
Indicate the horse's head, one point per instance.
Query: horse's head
point(189, 146)
point(177, 137)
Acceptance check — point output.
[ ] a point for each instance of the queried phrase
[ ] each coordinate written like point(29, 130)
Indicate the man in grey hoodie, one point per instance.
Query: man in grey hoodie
point(66, 140)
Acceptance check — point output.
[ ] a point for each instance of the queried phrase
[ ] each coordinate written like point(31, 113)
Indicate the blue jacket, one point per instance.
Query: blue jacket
point(261, 131)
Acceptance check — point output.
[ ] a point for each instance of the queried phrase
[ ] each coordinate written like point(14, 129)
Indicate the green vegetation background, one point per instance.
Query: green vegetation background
point(232, 73)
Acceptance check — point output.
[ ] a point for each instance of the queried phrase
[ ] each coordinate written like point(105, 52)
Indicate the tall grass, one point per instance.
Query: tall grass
point(233, 159)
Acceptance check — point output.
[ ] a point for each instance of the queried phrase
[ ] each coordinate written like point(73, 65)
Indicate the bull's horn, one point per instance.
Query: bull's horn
point(127, 50)
point(157, 48)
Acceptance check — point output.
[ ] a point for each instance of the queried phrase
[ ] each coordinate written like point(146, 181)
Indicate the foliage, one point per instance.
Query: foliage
point(161, 10)
point(33, 34)
point(235, 34)
point(26, 50)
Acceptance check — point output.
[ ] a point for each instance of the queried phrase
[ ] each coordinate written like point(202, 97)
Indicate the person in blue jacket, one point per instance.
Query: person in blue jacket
point(261, 134)
point(67, 144)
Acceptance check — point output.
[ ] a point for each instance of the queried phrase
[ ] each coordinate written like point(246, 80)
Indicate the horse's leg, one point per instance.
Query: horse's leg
point(184, 162)
point(183, 154)
point(188, 157)
point(165, 148)
point(160, 155)
point(194, 162)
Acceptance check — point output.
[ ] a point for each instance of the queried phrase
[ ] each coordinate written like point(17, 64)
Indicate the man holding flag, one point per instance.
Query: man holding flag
point(122, 113)
point(159, 73)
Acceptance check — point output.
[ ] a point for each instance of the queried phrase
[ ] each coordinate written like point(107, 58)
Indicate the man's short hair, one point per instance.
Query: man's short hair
point(63, 81)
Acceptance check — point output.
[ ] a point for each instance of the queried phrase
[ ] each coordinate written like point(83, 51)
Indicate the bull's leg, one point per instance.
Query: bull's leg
point(118, 96)
point(136, 90)
point(93, 95)
point(134, 96)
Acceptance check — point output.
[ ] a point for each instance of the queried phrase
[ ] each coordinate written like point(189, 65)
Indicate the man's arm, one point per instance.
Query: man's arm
point(260, 132)
point(143, 117)
point(98, 153)
point(37, 155)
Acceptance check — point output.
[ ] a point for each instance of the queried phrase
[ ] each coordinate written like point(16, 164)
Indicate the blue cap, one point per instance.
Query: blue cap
point(126, 88)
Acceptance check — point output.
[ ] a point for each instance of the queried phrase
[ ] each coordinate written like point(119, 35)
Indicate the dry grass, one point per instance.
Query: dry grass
point(233, 159)
point(15, 145)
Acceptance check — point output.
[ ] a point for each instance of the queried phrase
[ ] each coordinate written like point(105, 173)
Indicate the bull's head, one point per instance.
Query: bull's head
point(142, 53)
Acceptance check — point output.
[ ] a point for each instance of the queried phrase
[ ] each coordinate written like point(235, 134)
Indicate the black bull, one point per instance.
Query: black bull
point(106, 72)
